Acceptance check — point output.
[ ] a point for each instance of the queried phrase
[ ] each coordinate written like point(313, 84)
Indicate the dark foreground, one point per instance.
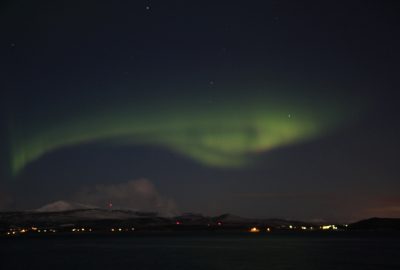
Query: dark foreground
point(190, 251)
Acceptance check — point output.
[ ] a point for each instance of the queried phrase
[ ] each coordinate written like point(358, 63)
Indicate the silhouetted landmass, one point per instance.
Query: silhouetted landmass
point(381, 224)
point(106, 220)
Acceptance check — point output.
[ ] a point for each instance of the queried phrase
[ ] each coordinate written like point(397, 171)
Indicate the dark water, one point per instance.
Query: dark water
point(203, 251)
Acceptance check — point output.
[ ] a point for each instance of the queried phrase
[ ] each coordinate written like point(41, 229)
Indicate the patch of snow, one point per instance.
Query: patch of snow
point(61, 206)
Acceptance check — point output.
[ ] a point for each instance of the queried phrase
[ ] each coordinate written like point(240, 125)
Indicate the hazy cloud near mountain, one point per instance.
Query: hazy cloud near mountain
point(140, 195)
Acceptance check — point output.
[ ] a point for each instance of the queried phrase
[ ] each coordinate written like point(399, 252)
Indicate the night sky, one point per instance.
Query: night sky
point(282, 109)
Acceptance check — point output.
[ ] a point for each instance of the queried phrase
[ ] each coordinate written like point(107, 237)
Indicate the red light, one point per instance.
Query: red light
point(178, 223)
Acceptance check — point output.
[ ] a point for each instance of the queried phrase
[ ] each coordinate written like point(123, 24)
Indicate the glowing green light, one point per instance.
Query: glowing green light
point(228, 133)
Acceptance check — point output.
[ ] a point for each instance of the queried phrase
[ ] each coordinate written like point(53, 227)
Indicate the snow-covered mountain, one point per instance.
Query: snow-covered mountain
point(62, 213)
point(60, 206)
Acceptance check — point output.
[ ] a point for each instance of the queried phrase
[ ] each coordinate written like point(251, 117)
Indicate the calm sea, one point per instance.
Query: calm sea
point(190, 251)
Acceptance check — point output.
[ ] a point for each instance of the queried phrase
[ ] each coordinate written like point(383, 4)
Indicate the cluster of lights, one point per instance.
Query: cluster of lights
point(121, 229)
point(81, 230)
point(26, 230)
point(46, 231)
point(306, 228)
point(257, 230)
point(19, 231)
point(329, 227)
point(303, 228)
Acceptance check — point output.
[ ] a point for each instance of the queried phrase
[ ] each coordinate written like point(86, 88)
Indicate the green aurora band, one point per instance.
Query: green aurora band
point(226, 133)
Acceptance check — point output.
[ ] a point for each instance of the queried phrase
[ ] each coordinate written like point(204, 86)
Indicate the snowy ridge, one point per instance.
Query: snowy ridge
point(61, 206)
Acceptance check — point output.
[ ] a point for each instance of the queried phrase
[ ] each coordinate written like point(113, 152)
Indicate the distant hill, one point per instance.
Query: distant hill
point(65, 215)
point(281, 223)
point(64, 212)
point(381, 224)
point(69, 216)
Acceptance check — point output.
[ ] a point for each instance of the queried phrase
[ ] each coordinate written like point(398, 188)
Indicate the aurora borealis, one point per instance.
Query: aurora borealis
point(226, 133)
point(271, 109)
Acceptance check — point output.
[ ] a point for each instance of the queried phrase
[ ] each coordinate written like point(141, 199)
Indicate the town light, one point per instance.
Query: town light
point(254, 230)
